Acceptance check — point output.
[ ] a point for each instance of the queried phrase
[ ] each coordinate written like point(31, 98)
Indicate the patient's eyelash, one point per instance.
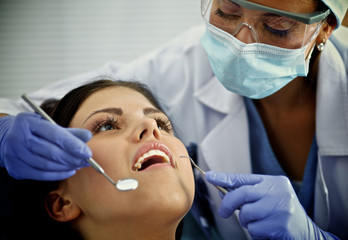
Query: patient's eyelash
point(106, 125)
point(164, 124)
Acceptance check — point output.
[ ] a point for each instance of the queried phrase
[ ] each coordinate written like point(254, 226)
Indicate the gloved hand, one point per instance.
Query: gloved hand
point(269, 207)
point(33, 148)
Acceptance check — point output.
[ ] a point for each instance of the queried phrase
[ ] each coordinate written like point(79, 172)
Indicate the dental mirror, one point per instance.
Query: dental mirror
point(126, 184)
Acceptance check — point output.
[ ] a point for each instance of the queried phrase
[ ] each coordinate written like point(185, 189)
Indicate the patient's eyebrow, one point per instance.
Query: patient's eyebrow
point(116, 111)
point(151, 110)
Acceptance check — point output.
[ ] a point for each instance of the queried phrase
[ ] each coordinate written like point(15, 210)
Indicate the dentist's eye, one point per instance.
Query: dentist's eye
point(164, 124)
point(231, 16)
point(276, 32)
point(106, 125)
point(279, 26)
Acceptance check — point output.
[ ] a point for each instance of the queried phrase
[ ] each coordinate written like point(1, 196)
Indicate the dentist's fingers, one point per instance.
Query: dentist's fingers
point(33, 148)
point(232, 180)
point(21, 172)
point(238, 198)
point(63, 138)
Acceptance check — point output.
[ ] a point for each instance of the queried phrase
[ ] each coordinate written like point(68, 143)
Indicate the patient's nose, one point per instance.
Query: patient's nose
point(147, 128)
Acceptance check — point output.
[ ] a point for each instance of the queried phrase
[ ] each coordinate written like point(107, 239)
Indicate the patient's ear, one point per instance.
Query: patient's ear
point(61, 208)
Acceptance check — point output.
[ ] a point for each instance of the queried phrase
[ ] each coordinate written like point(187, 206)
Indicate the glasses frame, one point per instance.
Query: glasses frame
point(307, 18)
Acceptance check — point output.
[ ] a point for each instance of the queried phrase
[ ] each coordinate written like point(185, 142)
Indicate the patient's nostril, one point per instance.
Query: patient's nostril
point(142, 134)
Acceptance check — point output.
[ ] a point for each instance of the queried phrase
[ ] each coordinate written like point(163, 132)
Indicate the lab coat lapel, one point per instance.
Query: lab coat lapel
point(226, 147)
point(332, 104)
point(321, 196)
point(332, 136)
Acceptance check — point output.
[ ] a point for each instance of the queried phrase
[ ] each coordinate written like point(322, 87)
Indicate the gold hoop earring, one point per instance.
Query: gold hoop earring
point(321, 45)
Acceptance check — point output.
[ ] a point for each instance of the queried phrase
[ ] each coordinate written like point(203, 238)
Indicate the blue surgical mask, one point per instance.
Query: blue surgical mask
point(253, 70)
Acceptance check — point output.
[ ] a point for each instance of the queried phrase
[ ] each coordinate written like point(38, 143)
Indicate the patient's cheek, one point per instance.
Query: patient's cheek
point(101, 153)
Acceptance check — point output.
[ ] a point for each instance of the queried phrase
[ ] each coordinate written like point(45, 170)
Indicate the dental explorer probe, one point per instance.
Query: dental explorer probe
point(221, 189)
point(125, 184)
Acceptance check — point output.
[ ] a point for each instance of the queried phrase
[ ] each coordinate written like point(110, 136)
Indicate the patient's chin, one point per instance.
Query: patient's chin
point(171, 205)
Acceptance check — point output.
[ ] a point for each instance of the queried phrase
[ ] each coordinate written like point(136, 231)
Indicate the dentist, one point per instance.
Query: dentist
point(261, 89)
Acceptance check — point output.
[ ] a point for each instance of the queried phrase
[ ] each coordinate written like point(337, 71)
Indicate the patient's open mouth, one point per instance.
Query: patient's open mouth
point(151, 154)
point(149, 158)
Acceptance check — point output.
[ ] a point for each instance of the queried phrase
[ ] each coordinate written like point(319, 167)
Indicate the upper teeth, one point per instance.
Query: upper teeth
point(151, 153)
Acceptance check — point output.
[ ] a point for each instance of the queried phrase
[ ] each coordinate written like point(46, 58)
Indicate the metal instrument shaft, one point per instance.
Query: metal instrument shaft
point(43, 114)
point(221, 189)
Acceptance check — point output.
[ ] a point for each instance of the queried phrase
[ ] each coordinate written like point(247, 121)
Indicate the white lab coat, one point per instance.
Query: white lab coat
point(204, 112)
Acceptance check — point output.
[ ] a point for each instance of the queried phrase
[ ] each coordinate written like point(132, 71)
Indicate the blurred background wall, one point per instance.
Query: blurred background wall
point(46, 40)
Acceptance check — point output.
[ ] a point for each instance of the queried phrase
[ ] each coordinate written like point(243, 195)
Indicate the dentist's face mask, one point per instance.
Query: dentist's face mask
point(275, 52)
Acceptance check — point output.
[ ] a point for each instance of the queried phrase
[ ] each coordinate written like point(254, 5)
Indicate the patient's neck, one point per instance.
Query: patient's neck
point(130, 229)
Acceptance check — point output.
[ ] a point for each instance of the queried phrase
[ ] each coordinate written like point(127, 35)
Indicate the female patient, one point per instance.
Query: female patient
point(126, 123)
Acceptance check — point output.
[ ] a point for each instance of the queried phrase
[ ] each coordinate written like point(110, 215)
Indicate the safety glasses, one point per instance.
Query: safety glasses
point(263, 24)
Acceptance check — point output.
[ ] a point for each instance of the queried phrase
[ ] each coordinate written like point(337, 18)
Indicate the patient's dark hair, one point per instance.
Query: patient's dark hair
point(64, 110)
point(25, 215)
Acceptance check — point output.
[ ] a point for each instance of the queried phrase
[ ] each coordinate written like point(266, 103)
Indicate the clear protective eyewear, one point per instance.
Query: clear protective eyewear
point(257, 23)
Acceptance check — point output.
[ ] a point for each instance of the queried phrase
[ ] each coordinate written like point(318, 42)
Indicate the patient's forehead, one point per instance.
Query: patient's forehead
point(116, 97)
point(121, 97)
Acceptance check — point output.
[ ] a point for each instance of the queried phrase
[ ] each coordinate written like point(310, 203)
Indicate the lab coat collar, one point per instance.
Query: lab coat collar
point(233, 156)
point(214, 95)
point(332, 104)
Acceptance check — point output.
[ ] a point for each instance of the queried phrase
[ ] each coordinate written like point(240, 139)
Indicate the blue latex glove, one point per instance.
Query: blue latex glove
point(33, 148)
point(269, 207)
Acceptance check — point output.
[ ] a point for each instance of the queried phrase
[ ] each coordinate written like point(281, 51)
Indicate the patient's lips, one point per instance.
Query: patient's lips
point(152, 153)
